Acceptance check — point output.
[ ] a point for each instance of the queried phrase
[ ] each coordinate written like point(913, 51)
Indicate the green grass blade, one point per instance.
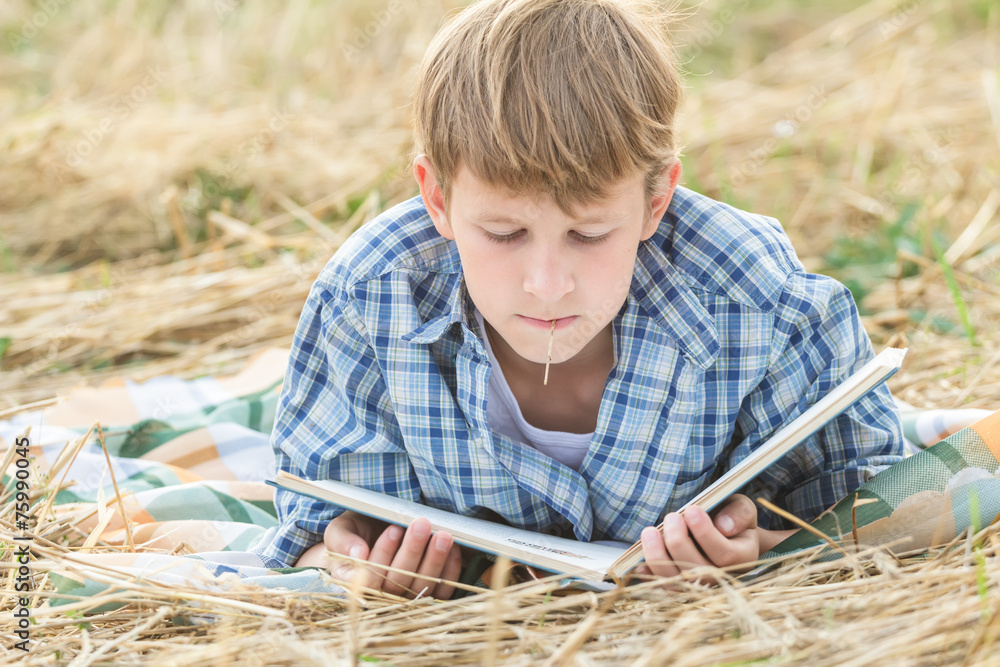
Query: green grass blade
point(956, 293)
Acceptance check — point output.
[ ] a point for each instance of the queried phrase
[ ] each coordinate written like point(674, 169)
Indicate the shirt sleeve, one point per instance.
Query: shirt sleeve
point(818, 341)
point(334, 420)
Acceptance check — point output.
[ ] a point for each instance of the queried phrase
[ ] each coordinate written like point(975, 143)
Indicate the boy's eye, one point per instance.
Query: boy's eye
point(508, 238)
point(501, 238)
point(592, 239)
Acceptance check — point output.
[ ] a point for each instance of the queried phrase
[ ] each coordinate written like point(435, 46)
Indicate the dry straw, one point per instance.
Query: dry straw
point(124, 256)
point(548, 355)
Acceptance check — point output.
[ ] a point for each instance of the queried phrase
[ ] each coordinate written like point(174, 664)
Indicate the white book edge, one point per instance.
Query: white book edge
point(558, 554)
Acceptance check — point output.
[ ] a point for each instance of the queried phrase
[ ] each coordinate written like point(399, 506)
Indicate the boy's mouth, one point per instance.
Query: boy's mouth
point(561, 323)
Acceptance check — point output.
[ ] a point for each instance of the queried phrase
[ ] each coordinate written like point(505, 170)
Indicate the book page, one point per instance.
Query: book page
point(544, 551)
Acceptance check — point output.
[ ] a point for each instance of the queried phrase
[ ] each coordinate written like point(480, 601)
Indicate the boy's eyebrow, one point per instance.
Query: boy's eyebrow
point(506, 219)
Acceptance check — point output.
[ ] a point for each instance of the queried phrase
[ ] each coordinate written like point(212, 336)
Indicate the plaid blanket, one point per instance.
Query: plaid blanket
point(189, 458)
point(924, 500)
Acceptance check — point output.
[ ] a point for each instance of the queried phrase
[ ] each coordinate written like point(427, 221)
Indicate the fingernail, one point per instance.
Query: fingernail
point(343, 573)
point(395, 533)
point(726, 524)
point(441, 543)
point(421, 530)
point(355, 551)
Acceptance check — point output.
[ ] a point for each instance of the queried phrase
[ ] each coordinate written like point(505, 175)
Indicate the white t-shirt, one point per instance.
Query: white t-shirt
point(504, 416)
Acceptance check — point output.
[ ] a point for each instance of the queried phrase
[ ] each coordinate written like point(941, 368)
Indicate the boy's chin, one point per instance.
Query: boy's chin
point(557, 358)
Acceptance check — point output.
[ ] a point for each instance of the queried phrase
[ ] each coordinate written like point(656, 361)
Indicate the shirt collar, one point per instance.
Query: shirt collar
point(668, 301)
point(658, 287)
point(459, 308)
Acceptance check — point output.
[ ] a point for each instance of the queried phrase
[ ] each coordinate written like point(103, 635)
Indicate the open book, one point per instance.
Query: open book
point(584, 560)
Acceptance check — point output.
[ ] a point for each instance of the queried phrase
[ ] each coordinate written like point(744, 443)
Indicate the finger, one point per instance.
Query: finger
point(738, 514)
point(681, 547)
point(452, 570)
point(408, 558)
point(655, 553)
point(721, 551)
point(340, 535)
point(339, 538)
point(343, 569)
point(435, 558)
point(383, 552)
point(314, 556)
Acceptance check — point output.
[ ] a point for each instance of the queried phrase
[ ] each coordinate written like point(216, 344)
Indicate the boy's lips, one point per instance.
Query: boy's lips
point(561, 323)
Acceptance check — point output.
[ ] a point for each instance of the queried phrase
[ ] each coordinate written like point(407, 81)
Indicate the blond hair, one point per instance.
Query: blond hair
point(555, 97)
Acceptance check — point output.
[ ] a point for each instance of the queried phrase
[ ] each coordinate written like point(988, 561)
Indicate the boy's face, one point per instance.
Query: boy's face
point(527, 263)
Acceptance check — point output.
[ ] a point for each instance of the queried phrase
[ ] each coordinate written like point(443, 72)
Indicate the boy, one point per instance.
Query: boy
point(683, 332)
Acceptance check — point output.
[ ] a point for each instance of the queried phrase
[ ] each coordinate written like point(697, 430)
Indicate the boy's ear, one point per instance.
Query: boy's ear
point(431, 193)
point(659, 203)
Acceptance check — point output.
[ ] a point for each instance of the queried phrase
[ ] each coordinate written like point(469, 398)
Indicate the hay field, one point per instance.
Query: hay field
point(173, 175)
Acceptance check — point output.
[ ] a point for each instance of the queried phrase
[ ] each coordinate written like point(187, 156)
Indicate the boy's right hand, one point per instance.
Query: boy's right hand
point(416, 550)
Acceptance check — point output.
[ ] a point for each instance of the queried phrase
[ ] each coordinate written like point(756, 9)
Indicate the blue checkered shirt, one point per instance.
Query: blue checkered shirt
point(723, 338)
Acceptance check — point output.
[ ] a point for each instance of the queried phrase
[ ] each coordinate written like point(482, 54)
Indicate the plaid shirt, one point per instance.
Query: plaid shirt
point(723, 338)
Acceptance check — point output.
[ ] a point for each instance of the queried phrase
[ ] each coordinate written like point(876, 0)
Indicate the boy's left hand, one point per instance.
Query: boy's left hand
point(731, 538)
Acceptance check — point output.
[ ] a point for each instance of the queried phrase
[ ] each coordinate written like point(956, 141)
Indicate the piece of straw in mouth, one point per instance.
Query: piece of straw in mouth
point(552, 333)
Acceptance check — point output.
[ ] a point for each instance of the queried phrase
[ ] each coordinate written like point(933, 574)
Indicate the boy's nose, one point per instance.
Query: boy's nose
point(548, 279)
